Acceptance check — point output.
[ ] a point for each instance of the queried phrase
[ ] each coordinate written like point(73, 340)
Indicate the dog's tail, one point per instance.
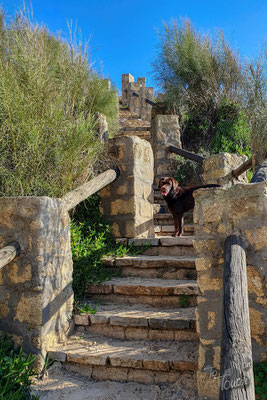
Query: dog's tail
point(206, 186)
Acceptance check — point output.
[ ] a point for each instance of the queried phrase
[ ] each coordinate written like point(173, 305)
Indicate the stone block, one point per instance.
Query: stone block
point(81, 319)
point(132, 333)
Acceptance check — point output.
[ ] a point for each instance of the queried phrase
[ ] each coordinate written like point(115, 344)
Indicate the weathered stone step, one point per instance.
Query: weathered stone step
point(167, 218)
point(165, 267)
point(135, 129)
point(169, 246)
point(140, 322)
point(135, 290)
point(168, 230)
point(105, 358)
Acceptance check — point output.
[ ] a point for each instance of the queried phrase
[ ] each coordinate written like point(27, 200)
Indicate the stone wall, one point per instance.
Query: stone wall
point(134, 95)
point(127, 203)
point(218, 167)
point(240, 209)
point(36, 296)
point(165, 131)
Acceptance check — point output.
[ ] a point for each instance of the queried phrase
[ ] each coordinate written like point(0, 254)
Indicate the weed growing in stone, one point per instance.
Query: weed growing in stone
point(15, 372)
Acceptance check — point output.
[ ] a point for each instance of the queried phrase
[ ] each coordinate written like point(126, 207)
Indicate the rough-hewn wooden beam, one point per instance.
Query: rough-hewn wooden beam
point(242, 168)
point(236, 356)
point(187, 154)
point(74, 197)
point(8, 253)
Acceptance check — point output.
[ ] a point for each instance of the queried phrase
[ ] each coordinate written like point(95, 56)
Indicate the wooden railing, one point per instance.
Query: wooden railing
point(236, 356)
point(8, 253)
point(135, 94)
point(74, 197)
point(187, 154)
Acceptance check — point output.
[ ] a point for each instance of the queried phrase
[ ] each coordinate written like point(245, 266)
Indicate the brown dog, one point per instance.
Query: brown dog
point(179, 200)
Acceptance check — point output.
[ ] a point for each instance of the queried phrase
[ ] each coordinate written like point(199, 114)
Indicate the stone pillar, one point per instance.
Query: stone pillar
point(134, 101)
point(126, 79)
point(145, 108)
point(36, 297)
point(142, 83)
point(102, 127)
point(127, 203)
point(165, 130)
point(218, 213)
point(216, 169)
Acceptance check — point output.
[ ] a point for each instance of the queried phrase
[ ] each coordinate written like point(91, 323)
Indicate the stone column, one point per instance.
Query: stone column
point(216, 169)
point(142, 83)
point(36, 297)
point(127, 203)
point(218, 213)
point(126, 79)
point(165, 130)
point(134, 101)
point(145, 109)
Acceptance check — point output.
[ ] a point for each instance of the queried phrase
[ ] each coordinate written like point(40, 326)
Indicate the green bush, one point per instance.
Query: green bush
point(260, 373)
point(232, 131)
point(91, 240)
point(49, 96)
point(15, 372)
point(187, 172)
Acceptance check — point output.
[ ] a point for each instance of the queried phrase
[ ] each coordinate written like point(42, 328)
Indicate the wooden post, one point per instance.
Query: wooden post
point(74, 197)
point(8, 253)
point(237, 382)
point(244, 167)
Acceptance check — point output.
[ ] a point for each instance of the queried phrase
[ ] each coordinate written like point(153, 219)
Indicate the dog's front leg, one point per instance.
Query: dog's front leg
point(176, 226)
point(180, 220)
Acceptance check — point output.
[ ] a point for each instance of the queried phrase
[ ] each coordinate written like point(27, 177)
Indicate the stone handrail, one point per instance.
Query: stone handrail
point(74, 197)
point(8, 253)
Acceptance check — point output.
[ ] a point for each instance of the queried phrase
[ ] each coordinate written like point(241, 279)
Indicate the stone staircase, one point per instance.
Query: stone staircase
point(131, 125)
point(144, 329)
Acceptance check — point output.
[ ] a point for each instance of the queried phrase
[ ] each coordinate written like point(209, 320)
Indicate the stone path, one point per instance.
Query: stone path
point(144, 329)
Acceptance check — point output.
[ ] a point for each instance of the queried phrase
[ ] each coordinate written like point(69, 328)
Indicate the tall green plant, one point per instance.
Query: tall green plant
point(197, 74)
point(49, 96)
point(15, 372)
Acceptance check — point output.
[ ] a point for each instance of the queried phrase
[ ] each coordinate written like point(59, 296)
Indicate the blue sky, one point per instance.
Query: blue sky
point(123, 33)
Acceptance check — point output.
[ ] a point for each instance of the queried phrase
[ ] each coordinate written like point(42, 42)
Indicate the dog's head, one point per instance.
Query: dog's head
point(167, 185)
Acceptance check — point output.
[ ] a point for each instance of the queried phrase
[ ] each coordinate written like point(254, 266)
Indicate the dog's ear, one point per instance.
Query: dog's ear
point(161, 182)
point(175, 184)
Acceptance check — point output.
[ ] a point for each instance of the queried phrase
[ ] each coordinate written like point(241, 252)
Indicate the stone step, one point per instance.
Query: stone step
point(165, 267)
point(102, 358)
point(169, 246)
point(168, 230)
point(161, 218)
point(137, 290)
point(135, 129)
point(139, 322)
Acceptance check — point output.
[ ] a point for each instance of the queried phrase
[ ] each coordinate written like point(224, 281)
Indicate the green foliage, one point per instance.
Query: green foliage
point(232, 132)
point(256, 102)
point(49, 96)
point(187, 172)
point(205, 81)
point(15, 372)
point(184, 300)
point(86, 309)
point(260, 373)
point(91, 240)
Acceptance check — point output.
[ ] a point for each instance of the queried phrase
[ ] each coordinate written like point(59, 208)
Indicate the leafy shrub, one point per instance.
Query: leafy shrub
point(15, 372)
point(260, 373)
point(91, 240)
point(232, 132)
point(49, 96)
